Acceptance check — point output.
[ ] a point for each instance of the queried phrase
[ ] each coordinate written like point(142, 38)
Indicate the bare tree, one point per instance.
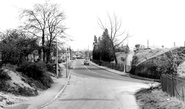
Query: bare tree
point(44, 21)
point(36, 22)
point(55, 27)
point(114, 28)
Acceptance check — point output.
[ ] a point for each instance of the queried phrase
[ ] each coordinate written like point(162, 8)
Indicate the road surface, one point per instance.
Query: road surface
point(91, 87)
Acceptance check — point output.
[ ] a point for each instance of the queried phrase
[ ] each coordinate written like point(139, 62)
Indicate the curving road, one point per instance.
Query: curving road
point(91, 87)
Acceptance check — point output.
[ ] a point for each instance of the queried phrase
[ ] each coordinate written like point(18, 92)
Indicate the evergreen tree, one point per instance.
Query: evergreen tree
point(95, 49)
point(106, 48)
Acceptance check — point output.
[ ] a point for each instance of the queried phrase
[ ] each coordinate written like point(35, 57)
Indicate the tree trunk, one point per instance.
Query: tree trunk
point(43, 47)
point(114, 53)
point(48, 57)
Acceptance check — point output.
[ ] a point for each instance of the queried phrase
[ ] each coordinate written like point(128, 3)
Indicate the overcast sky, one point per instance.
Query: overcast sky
point(162, 22)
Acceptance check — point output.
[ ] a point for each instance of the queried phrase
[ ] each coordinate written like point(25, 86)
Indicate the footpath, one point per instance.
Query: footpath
point(48, 96)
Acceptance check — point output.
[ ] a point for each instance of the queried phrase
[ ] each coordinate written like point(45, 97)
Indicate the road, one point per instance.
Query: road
point(91, 87)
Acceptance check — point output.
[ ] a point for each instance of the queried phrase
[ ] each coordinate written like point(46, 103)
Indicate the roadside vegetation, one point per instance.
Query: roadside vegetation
point(152, 63)
point(26, 53)
point(155, 98)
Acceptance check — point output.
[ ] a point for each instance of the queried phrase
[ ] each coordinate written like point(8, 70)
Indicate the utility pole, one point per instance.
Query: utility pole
point(57, 57)
point(66, 63)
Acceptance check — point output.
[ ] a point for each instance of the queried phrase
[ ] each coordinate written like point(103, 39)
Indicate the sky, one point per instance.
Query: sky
point(161, 22)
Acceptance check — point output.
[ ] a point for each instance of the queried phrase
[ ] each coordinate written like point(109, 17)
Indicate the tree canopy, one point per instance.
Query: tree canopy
point(114, 27)
point(15, 46)
point(102, 48)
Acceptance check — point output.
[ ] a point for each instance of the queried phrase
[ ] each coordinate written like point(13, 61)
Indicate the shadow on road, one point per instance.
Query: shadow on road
point(83, 68)
point(86, 99)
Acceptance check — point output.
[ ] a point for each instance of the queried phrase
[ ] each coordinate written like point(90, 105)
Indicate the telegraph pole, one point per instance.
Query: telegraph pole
point(66, 64)
point(57, 57)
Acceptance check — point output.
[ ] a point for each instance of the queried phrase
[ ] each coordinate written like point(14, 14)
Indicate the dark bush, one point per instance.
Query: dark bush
point(146, 69)
point(36, 71)
point(25, 91)
point(4, 76)
point(46, 81)
point(33, 70)
point(51, 67)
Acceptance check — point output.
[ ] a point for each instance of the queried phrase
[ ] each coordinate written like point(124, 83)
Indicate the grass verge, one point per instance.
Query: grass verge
point(155, 98)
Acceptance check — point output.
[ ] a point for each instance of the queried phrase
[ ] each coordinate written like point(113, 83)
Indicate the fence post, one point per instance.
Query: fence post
point(182, 93)
point(161, 78)
point(173, 86)
point(167, 84)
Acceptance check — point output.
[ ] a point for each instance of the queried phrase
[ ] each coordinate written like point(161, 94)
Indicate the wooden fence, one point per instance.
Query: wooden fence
point(174, 86)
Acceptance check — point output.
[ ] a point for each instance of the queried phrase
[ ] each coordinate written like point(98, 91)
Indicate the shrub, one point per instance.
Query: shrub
point(33, 70)
point(51, 67)
point(4, 76)
point(165, 63)
point(46, 81)
point(36, 71)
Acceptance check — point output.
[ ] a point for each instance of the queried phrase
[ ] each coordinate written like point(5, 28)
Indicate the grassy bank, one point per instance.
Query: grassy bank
point(157, 99)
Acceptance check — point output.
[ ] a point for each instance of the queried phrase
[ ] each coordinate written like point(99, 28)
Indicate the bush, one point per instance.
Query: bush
point(4, 76)
point(33, 70)
point(165, 63)
point(25, 91)
point(46, 81)
point(36, 71)
point(51, 67)
point(146, 69)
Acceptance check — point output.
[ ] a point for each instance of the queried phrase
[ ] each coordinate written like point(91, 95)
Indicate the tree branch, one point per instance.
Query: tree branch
point(101, 24)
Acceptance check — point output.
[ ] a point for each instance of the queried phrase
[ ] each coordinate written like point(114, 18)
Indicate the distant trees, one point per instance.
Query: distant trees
point(114, 27)
point(44, 21)
point(123, 48)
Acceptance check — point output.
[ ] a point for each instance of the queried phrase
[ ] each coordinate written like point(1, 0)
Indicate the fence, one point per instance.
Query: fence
point(118, 66)
point(174, 86)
